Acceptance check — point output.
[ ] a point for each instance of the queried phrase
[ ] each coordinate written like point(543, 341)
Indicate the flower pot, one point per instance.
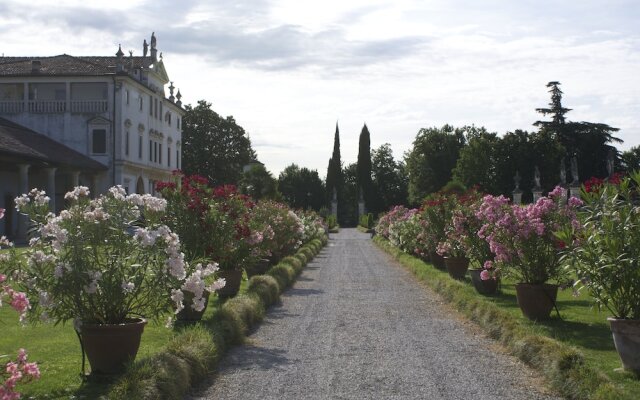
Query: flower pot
point(437, 260)
point(259, 268)
point(109, 347)
point(536, 300)
point(457, 266)
point(490, 286)
point(188, 313)
point(233, 278)
point(626, 337)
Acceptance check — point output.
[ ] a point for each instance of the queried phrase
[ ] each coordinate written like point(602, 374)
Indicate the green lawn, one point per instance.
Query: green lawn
point(581, 325)
point(57, 351)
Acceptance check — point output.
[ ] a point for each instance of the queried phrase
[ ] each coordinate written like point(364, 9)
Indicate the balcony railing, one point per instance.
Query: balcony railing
point(88, 106)
point(47, 106)
point(11, 107)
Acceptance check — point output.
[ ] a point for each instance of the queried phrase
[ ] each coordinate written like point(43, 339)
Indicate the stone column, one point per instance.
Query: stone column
point(51, 187)
point(23, 187)
point(537, 194)
point(94, 185)
point(574, 190)
point(75, 178)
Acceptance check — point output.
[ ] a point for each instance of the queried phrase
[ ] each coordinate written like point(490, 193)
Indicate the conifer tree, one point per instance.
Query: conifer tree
point(334, 172)
point(364, 168)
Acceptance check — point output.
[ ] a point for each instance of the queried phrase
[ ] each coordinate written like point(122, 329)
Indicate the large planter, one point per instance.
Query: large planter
point(233, 278)
point(536, 300)
point(457, 267)
point(109, 347)
point(490, 286)
point(259, 268)
point(437, 260)
point(188, 313)
point(626, 337)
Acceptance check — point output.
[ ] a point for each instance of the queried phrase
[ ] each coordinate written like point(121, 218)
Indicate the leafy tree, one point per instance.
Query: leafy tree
point(432, 159)
point(589, 142)
point(631, 159)
point(390, 181)
point(258, 183)
point(364, 167)
point(301, 188)
point(476, 164)
point(213, 146)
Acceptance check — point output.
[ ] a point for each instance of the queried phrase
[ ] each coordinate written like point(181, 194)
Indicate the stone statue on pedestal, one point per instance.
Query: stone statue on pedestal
point(574, 171)
point(563, 173)
point(536, 178)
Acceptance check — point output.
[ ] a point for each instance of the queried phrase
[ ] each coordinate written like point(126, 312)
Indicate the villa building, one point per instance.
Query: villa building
point(94, 121)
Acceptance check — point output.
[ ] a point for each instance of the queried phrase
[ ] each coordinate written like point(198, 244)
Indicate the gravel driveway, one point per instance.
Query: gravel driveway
point(358, 326)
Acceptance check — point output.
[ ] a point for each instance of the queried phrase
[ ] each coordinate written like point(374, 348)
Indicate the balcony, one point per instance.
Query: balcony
point(11, 107)
point(89, 106)
point(47, 106)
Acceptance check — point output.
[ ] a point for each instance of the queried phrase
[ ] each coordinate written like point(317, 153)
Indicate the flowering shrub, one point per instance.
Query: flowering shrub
point(385, 221)
point(312, 225)
point(18, 371)
point(102, 261)
point(522, 237)
point(604, 254)
point(460, 231)
point(283, 232)
point(436, 211)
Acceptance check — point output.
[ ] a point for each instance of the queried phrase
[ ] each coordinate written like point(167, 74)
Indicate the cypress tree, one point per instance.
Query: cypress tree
point(334, 172)
point(364, 167)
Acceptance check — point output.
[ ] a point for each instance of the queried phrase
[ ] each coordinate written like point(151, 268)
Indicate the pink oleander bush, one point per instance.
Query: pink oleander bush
point(284, 230)
point(385, 221)
point(19, 371)
point(523, 237)
point(460, 230)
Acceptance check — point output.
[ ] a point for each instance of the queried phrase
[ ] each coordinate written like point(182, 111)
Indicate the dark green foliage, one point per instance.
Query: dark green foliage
point(390, 181)
point(454, 186)
point(477, 162)
point(431, 161)
point(363, 173)
point(294, 262)
point(366, 221)
point(258, 183)
point(302, 257)
point(301, 188)
point(214, 147)
point(265, 287)
point(307, 252)
point(589, 142)
point(348, 208)
point(247, 309)
point(631, 159)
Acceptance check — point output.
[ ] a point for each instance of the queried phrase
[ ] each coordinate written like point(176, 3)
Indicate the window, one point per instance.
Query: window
point(168, 118)
point(177, 159)
point(150, 150)
point(141, 101)
point(168, 156)
point(160, 113)
point(155, 102)
point(126, 143)
point(99, 141)
point(150, 105)
point(178, 122)
point(126, 96)
point(140, 147)
point(159, 160)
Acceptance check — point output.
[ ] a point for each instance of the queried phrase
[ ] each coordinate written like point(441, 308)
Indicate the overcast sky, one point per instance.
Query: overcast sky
point(288, 69)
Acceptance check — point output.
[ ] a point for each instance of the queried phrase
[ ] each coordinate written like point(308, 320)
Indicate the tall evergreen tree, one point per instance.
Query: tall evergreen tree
point(364, 168)
point(335, 179)
point(589, 142)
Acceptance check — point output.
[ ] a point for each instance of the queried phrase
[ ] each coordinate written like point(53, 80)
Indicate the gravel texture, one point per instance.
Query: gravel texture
point(358, 326)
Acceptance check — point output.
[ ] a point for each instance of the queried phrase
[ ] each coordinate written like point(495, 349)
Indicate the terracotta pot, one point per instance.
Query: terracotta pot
point(188, 313)
point(626, 337)
point(437, 260)
point(490, 286)
point(233, 278)
point(536, 300)
point(259, 268)
point(457, 267)
point(109, 347)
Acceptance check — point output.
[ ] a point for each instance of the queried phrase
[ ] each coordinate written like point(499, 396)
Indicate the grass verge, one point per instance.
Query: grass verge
point(541, 345)
point(196, 350)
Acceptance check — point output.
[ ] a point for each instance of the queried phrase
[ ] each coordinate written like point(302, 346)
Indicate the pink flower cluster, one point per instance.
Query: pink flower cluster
point(522, 237)
point(19, 371)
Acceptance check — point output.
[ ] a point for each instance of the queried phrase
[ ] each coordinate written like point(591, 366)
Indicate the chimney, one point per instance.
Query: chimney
point(35, 66)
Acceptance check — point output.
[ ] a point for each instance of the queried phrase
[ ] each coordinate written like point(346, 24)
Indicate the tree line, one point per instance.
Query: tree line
point(219, 149)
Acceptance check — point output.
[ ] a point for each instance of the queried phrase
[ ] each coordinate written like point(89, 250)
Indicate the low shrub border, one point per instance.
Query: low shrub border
point(196, 350)
point(561, 365)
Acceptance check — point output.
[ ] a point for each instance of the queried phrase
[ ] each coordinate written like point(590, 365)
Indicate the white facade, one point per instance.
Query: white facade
point(122, 119)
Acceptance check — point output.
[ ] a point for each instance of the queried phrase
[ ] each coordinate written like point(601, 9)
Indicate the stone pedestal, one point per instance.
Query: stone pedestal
point(537, 194)
point(361, 209)
point(574, 191)
point(334, 207)
point(517, 196)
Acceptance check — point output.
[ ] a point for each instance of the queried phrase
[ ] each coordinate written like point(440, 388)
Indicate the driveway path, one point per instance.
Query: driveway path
point(358, 326)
